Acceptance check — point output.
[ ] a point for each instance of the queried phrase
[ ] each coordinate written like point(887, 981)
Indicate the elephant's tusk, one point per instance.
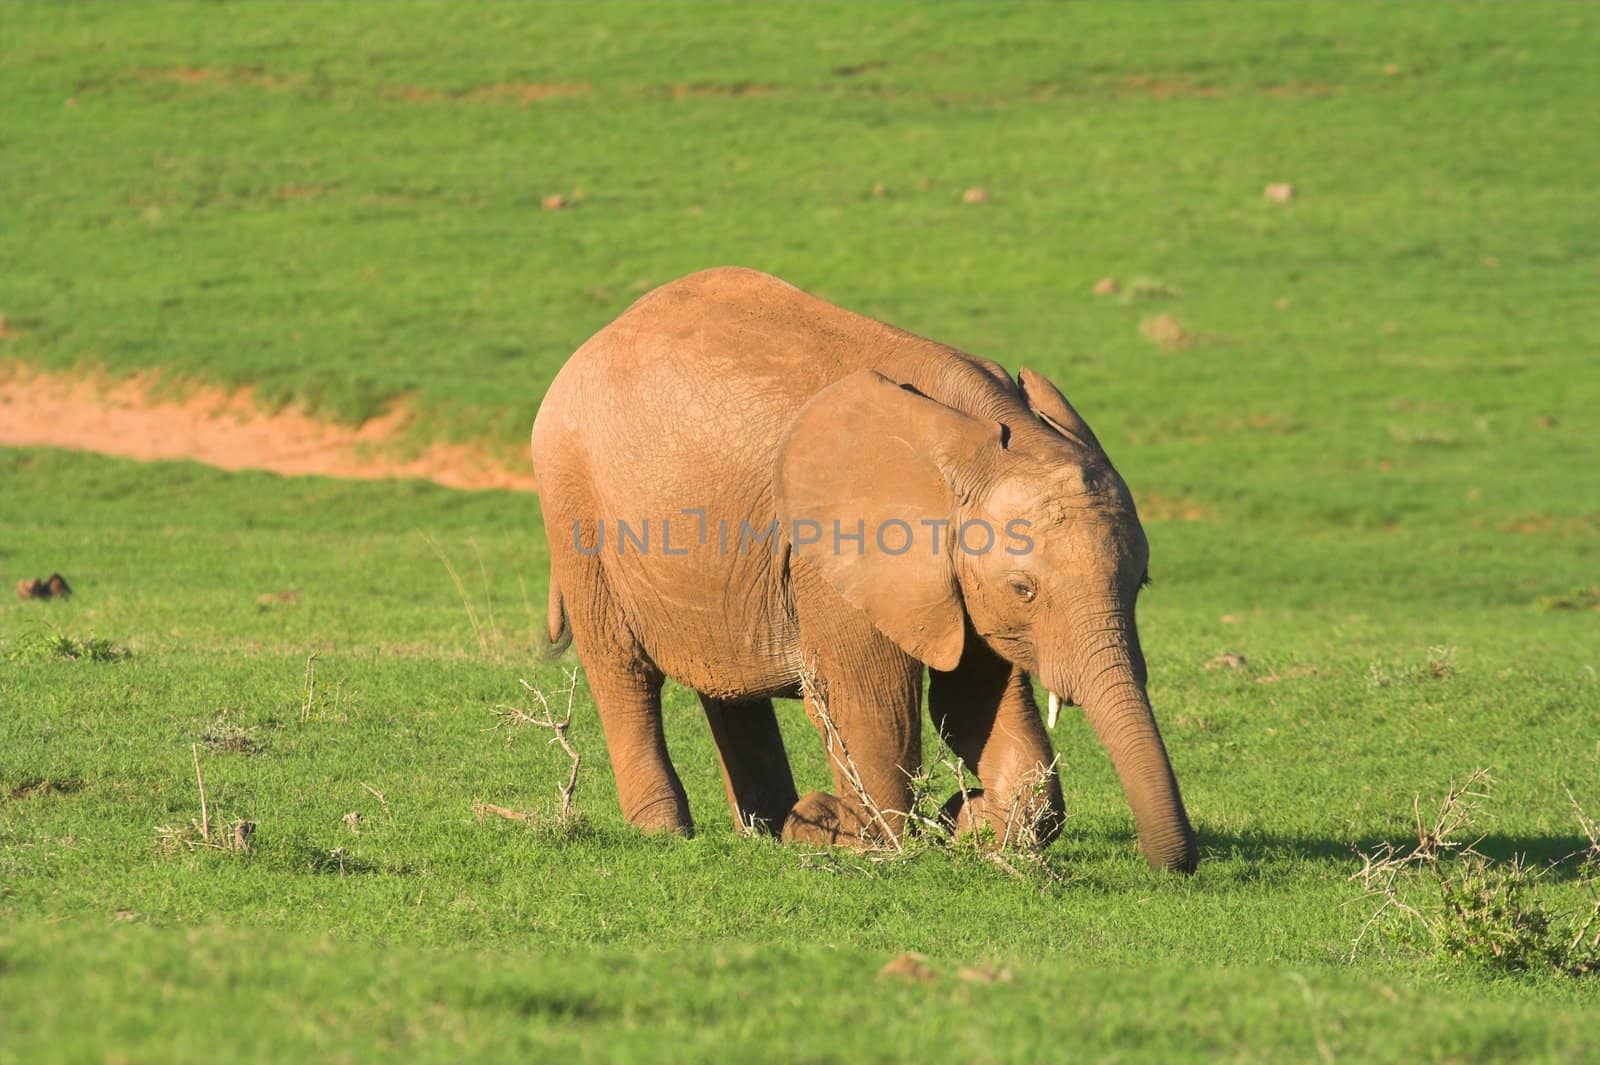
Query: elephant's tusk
point(1054, 710)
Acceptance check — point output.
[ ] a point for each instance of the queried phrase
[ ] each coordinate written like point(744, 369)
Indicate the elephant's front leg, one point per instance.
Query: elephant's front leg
point(985, 711)
point(864, 695)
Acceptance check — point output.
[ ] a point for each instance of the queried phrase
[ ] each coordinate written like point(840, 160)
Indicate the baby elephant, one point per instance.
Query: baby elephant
point(759, 494)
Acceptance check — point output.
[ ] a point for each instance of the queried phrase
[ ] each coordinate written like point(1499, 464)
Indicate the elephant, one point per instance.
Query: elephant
point(761, 495)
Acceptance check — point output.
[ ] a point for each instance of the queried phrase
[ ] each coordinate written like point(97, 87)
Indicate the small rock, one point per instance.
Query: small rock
point(878, 191)
point(1280, 192)
point(910, 966)
point(555, 202)
point(1226, 660)
point(1106, 286)
point(352, 821)
point(975, 195)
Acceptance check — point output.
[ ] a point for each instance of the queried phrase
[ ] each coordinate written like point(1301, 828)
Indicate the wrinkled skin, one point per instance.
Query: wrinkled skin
point(733, 392)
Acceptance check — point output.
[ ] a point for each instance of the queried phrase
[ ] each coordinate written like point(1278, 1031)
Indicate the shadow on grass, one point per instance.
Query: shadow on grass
point(534, 1002)
point(307, 857)
point(1555, 853)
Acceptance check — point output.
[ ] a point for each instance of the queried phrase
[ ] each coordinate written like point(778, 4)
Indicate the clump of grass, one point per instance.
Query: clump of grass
point(1440, 664)
point(58, 645)
point(1150, 288)
point(1466, 905)
point(1576, 599)
point(224, 735)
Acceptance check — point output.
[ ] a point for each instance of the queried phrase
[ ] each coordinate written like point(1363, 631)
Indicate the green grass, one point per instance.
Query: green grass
point(1382, 439)
point(431, 935)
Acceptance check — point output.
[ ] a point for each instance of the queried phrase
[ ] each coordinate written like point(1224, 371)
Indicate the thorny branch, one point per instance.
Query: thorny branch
point(543, 716)
point(816, 697)
point(1384, 867)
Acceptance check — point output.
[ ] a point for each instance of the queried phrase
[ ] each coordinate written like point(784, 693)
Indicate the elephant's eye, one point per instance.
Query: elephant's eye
point(1023, 585)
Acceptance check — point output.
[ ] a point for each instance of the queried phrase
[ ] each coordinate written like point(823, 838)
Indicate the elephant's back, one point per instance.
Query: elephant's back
point(714, 364)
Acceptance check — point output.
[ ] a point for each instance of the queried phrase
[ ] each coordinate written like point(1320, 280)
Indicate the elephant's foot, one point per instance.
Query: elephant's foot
point(1030, 821)
point(822, 818)
point(665, 813)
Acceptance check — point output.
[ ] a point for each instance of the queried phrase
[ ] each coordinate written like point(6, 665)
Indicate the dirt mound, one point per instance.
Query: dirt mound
point(231, 430)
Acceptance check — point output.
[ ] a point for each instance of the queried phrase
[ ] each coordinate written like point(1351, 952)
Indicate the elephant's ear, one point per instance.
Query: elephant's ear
point(866, 454)
point(1046, 400)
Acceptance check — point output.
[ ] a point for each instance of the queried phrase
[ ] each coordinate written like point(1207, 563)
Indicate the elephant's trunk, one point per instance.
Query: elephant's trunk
point(1114, 700)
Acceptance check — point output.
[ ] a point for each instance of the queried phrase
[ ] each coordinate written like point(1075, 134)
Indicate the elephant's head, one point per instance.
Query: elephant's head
point(1039, 553)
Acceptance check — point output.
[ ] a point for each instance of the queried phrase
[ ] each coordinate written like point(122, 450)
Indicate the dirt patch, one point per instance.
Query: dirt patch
point(1559, 525)
point(302, 192)
point(526, 92)
point(232, 76)
point(1156, 507)
point(229, 429)
point(911, 967)
point(39, 787)
point(1166, 331)
point(1161, 89)
point(1168, 88)
point(738, 88)
point(522, 92)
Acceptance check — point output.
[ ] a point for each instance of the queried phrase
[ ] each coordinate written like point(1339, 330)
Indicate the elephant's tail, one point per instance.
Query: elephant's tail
point(557, 637)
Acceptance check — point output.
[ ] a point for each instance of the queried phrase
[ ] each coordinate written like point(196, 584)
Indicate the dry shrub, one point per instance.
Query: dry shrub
point(1464, 904)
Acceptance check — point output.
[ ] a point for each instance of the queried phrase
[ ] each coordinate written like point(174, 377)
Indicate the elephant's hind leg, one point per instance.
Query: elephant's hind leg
point(626, 685)
point(755, 767)
point(648, 788)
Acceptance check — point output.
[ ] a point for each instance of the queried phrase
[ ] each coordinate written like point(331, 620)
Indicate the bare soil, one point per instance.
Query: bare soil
point(231, 430)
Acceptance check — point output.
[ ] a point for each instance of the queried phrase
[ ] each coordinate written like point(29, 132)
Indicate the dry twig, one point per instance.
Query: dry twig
point(237, 838)
point(376, 794)
point(205, 813)
point(485, 809)
point(817, 700)
point(544, 717)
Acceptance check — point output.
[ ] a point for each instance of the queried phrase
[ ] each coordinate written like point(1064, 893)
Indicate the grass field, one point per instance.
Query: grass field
point(1366, 454)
